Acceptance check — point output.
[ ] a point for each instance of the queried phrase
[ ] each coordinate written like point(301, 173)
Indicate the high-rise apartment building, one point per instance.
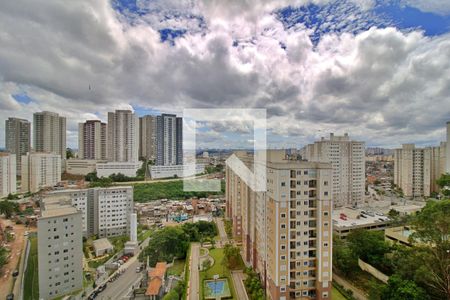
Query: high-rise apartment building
point(348, 161)
point(7, 174)
point(417, 169)
point(60, 248)
point(286, 232)
point(123, 136)
point(147, 137)
point(169, 140)
point(105, 211)
point(40, 170)
point(18, 138)
point(49, 133)
point(92, 140)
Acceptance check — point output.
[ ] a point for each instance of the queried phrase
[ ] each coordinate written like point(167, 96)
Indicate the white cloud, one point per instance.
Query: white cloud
point(382, 85)
point(441, 7)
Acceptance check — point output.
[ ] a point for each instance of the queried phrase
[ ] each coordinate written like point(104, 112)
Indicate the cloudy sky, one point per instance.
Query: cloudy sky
point(377, 69)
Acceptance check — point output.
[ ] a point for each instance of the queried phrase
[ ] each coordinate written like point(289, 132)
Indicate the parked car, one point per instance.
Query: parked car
point(15, 273)
point(10, 297)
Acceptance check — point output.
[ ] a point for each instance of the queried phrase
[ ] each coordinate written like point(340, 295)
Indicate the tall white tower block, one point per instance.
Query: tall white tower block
point(133, 227)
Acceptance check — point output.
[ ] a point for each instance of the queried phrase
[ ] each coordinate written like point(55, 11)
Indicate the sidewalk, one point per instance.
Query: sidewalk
point(238, 281)
point(357, 293)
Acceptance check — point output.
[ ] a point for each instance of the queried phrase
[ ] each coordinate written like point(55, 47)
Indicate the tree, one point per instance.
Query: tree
point(91, 177)
point(369, 246)
point(8, 208)
point(399, 289)
point(3, 256)
point(344, 259)
point(444, 183)
point(231, 256)
point(69, 153)
point(432, 232)
point(206, 264)
point(165, 245)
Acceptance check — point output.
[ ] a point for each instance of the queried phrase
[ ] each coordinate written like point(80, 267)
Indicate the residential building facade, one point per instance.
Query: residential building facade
point(18, 138)
point(92, 140)
point(123, 136)
point(147, 137)
point(348, 161)
point(60, 248)
point(417, 169)
point(7, 174)
point(40, 170)
point(169, 140)
point(49, 133)
point(105, 211)
point(286, 231)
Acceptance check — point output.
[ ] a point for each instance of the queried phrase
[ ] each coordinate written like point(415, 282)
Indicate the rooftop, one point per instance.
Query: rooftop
point(154, 286)
point(103, 243)
point(350, 217)
point(158, 271)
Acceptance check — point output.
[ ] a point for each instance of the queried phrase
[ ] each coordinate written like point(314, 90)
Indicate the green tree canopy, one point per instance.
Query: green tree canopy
point(8, 208)
point(369, 246)
point(166, 244)
point(444, 183)
point(432, 229)
point(3, 256)
point(399, 289)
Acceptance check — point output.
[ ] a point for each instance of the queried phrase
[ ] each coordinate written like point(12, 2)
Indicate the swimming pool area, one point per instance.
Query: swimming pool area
point(217, 289)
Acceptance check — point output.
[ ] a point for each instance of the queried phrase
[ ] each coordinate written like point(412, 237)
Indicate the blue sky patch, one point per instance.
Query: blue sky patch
point(22, 98)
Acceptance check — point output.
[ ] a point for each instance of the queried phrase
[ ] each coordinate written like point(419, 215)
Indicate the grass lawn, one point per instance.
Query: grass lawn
point(31, 284)
point(144, 234)
point(336, 295)
point(217, 268)
point(177, 268)
point(145, 192)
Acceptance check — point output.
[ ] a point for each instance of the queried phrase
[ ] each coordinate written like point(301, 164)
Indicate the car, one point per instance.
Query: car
point(15, 273)
point(138, 269)
point(10, 297)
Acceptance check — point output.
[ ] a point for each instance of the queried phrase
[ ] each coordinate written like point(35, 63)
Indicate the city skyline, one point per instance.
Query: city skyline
point(314, 76)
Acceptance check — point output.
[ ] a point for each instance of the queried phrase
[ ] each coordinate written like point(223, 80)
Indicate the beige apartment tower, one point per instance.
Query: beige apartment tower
point(7, 174)
point(17, 138)
point(147, 137)
point(40, 170)
point(60, 248)
point(123, 136)
point(286, 232)
point(348, 161)
point(92, 140)
point(417, 169)
point(49, 133)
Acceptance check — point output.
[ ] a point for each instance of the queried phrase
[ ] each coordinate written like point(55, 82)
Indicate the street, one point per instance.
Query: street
point(122, 286)
point(194, 273)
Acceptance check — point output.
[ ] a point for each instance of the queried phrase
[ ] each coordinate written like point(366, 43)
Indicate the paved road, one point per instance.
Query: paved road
point(121, 287)
point(222, 233)
point(357, 293)
point(238, 282)
point(194, 277)
point(16, 247)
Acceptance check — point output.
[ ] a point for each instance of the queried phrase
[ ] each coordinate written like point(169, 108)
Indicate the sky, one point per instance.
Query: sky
point(376, 69)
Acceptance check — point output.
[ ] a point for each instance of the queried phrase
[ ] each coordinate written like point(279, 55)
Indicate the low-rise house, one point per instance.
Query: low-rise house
point(156, 281)
point(102, 247)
